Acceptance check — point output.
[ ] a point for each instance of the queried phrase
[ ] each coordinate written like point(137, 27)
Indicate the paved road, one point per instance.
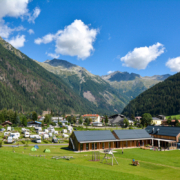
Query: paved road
point(54, 144)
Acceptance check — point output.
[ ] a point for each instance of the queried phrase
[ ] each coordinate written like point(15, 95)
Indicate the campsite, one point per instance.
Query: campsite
point(153, 164)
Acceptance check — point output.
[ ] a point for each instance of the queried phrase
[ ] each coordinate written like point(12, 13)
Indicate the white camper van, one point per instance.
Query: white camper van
point(26, 134)
point(65, 135)
point(8, 128)
point(45, 136)
point(41, 132)
point(64, 131)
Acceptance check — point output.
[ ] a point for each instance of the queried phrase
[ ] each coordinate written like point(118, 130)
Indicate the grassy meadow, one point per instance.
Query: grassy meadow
point(23, 164)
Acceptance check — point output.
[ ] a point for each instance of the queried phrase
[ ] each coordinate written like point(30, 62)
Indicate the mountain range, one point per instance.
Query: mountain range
point(111, 91)
point(27, 85)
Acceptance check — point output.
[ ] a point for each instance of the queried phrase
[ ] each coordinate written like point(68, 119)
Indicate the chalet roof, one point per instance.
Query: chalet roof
point(6, 122)
point(156, 118)
point(132, 134)
point(90, 115)
point(116, 119)
point(105, 135)
point(163, 130)
point(34, 122)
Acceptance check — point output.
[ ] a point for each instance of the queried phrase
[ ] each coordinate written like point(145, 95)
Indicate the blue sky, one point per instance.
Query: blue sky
point(134, 36)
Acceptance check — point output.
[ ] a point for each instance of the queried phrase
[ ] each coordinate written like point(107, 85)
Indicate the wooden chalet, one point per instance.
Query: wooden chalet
point(7, 123)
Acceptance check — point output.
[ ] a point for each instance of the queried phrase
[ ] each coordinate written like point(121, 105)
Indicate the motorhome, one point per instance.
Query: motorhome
point(55, 132)
point(41, 132)
point(26, 134)
point(38, 128)
point(45, 136)
point(34, 136)
point(65, 135)
point(64, 131)
point(50, 134)
point(10, 140)
point(46, 130)
point(8, 128)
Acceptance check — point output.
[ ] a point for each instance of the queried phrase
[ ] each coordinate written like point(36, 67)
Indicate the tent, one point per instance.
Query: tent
point(47, 150)
point(33, 149)
point(36, 146)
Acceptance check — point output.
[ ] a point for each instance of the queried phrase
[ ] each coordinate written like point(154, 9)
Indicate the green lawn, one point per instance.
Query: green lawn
point(153, 165)
point(173, 116)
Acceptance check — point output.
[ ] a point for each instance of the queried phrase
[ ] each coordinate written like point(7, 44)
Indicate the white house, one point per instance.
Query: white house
point(34, 124)
point(94, 117)
point(98, 124)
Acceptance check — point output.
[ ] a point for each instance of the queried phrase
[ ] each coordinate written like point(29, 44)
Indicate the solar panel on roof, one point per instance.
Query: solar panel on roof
point(94, 135)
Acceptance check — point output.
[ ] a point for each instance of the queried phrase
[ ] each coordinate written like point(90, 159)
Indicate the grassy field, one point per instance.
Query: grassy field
point(173, 116)
point(22, 164)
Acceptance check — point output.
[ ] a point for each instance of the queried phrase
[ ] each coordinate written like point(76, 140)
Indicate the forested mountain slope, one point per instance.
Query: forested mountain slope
point(26, 86)
point(87, 85)
point(163, 98)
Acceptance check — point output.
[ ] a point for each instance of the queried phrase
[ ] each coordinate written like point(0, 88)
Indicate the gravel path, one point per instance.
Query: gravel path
point(54, 144)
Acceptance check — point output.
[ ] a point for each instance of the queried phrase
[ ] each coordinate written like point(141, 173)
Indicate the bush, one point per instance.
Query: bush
point(46, 141)
point(23, 142)
point(130, 127)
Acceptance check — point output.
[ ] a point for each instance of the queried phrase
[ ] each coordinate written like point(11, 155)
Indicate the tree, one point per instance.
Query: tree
point(24, 121)
point(47, 119)
point(106, 119)
point(2, 119)
point(132, 117)
point(34, 116)
point(80, 120)
point(14, 121)
point(146, 119)
point(169, 120)
point(90, 120)
point(87, 121)
point(17, 120)
point(126, 122)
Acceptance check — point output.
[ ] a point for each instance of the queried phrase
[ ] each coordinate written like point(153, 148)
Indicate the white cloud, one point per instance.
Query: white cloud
point(75, 40)
point(109, 72)
point(14, 8)
point(53, 55)
point(17, 41)
point(30, 31)
point(174, 64)
point(34, 15)
point(46, 39)
point(139, 58)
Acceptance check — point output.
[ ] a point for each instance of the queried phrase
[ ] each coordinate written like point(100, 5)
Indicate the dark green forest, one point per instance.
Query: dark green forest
point(163, 98)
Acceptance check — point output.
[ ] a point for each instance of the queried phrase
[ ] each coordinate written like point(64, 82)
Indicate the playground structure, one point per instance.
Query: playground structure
point(109, 155)
point(95, 156)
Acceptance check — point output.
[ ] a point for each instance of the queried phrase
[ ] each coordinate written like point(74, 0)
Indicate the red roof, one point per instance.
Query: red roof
point(90, 115)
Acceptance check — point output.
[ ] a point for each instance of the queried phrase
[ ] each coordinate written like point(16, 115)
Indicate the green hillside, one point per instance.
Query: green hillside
point(26, 86)
point(163, 98)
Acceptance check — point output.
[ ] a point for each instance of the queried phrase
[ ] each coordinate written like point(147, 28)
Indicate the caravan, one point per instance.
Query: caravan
point(65, 135)
point(8, 128)
point(45, 136)
point(15, 135)
point(26, 134)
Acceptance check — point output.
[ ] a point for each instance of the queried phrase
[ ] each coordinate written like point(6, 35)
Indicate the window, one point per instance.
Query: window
point(95, 145)
point(109, 145)
point(87, 146)
point(103, 145)
point(92, 145)
point(81, 147)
